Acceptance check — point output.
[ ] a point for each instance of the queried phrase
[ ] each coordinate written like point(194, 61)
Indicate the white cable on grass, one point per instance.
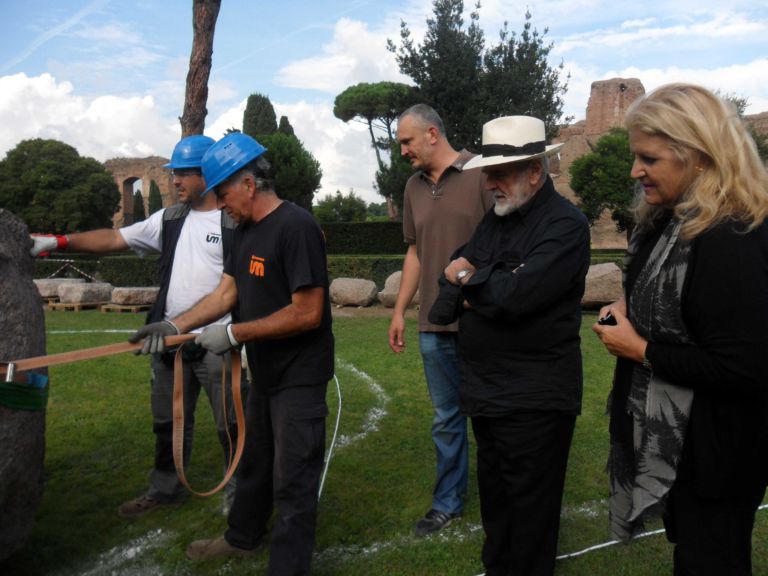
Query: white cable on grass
point(333, 440)
point(613, 542)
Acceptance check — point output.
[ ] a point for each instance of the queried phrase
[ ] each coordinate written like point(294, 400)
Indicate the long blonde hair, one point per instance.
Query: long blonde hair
point(726, 179)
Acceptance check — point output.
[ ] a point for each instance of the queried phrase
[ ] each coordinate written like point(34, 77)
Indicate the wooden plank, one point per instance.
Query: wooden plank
point(73, 306)
point(120, 308)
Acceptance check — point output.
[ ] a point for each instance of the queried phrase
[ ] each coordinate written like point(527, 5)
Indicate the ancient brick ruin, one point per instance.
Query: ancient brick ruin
point(126, 171)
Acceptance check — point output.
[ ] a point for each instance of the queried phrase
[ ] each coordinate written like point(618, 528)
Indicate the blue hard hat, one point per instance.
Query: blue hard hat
point(188, 153)
point(227, 156)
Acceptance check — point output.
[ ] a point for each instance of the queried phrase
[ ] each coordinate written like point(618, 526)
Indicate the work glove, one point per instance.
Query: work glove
point(217, 338)
point(43, 244)
point(154, 336)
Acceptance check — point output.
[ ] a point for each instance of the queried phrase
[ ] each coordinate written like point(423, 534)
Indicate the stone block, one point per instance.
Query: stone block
point(388, 296)
point(353, 292)
point(603, 285)
point(49, 287)
point(85, 293)
point(22, 432)
point(134, 296)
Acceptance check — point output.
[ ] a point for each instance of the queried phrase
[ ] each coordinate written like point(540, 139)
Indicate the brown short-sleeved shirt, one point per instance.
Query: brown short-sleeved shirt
point(438, 218)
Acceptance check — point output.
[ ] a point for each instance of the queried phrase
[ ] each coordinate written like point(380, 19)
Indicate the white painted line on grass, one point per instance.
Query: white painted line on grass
point(374, 415)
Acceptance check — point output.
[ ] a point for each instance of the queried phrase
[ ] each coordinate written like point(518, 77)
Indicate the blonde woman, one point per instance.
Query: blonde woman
point(689, 405)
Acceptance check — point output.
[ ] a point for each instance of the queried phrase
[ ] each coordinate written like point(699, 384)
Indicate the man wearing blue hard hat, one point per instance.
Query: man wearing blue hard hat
point(277, 278)
point(192, 238)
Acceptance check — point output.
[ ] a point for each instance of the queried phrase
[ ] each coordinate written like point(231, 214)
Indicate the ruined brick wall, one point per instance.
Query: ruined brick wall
point(126, 171)
point(608, 102)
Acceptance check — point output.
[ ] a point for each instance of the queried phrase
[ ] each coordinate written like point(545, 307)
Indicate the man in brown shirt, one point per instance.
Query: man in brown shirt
point(443, 205)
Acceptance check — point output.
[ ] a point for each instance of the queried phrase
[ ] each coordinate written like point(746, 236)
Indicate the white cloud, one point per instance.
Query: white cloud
point(343, 149)
point(356, 54)
point(740, 79)
point(718, 26)
point(105, 127)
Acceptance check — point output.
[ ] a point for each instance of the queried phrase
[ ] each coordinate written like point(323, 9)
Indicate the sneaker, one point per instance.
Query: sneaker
point(142, 505)
point(207, 549)
point(434, 521)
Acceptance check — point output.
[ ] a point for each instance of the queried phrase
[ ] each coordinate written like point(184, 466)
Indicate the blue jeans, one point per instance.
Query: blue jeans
point(439, 352)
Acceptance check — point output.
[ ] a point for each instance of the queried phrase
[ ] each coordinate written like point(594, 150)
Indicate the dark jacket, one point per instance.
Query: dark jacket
point(725, 309)
point(519, 342)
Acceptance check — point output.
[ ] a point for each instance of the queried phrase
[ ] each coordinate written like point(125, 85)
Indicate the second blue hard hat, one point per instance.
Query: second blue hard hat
point(189, 152)
point(227, 156)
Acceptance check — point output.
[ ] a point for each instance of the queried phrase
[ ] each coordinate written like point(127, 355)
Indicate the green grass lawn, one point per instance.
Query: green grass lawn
point(100, 448)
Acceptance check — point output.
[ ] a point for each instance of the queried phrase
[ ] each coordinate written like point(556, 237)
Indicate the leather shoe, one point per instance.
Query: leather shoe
point(215, 548)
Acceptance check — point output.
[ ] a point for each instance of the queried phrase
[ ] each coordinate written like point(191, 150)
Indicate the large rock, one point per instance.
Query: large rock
point(49, 287)
point(134, 296)
point(86, 293)
point(388, 296)
point(603, 285)
point(22, 432)
point(353, 292)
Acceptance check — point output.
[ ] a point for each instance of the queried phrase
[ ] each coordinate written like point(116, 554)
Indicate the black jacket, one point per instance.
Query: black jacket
point(519, 341)
point(725, 309)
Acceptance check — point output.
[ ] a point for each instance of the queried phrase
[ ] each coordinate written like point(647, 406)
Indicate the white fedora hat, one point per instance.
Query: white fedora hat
point(512, 139)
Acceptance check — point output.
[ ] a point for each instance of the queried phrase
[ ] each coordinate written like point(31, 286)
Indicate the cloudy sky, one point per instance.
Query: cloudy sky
point(107, 76)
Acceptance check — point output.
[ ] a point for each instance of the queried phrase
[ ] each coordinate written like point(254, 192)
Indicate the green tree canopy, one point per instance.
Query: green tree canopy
point(378, 105)
point(741, 103)
point(446, 68)
point(155, 198)
point(390, 180)
point(285, 126)
point(518, 79)
point(601, 179)
point(297, 173)
point(259, 116)
point(469, 85)
point(377, 211)
point(340, 208)
point(139, 213)
point(54, 189)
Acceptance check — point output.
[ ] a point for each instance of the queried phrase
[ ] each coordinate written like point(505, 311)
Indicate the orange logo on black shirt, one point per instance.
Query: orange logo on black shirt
point(257, 266)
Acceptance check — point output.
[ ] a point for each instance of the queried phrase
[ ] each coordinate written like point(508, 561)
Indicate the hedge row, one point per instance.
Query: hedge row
point(130, 270)
point(365, 238)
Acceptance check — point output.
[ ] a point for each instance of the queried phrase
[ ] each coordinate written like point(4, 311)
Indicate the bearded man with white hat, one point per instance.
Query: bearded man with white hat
point(517, 289)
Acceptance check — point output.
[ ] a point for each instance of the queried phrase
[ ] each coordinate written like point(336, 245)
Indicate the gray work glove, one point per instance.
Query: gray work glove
point(217, 338)
point(154, 336)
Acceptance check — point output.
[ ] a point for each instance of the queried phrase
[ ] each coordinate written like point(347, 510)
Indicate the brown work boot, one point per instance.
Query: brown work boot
point(207, 549)
point(142, 505)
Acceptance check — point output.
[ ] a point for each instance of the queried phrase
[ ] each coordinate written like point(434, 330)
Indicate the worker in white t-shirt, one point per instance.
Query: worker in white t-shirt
point(192, 238)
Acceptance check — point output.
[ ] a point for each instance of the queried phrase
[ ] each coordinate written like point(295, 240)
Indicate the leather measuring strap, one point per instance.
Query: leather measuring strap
point(178, 419)
point(35, 362)
point(85, 354)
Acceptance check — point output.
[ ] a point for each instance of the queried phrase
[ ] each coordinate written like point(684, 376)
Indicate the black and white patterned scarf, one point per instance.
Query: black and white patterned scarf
point(660, 410)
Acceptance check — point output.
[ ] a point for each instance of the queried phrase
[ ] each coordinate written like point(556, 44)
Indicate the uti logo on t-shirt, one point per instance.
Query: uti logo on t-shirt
point(257, 266)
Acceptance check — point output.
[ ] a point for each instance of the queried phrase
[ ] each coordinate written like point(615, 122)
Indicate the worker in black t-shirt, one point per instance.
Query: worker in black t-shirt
point(277, 278)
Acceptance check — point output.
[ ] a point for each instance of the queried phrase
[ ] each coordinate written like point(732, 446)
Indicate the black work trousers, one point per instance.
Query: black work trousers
point(521, 463)
point(712, 537)
point(281, 466)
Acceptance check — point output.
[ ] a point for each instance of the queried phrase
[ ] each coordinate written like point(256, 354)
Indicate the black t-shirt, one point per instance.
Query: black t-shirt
point(270, 260)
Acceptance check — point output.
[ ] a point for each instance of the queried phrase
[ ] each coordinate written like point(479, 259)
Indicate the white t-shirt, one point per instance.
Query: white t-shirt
point(198, 262)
